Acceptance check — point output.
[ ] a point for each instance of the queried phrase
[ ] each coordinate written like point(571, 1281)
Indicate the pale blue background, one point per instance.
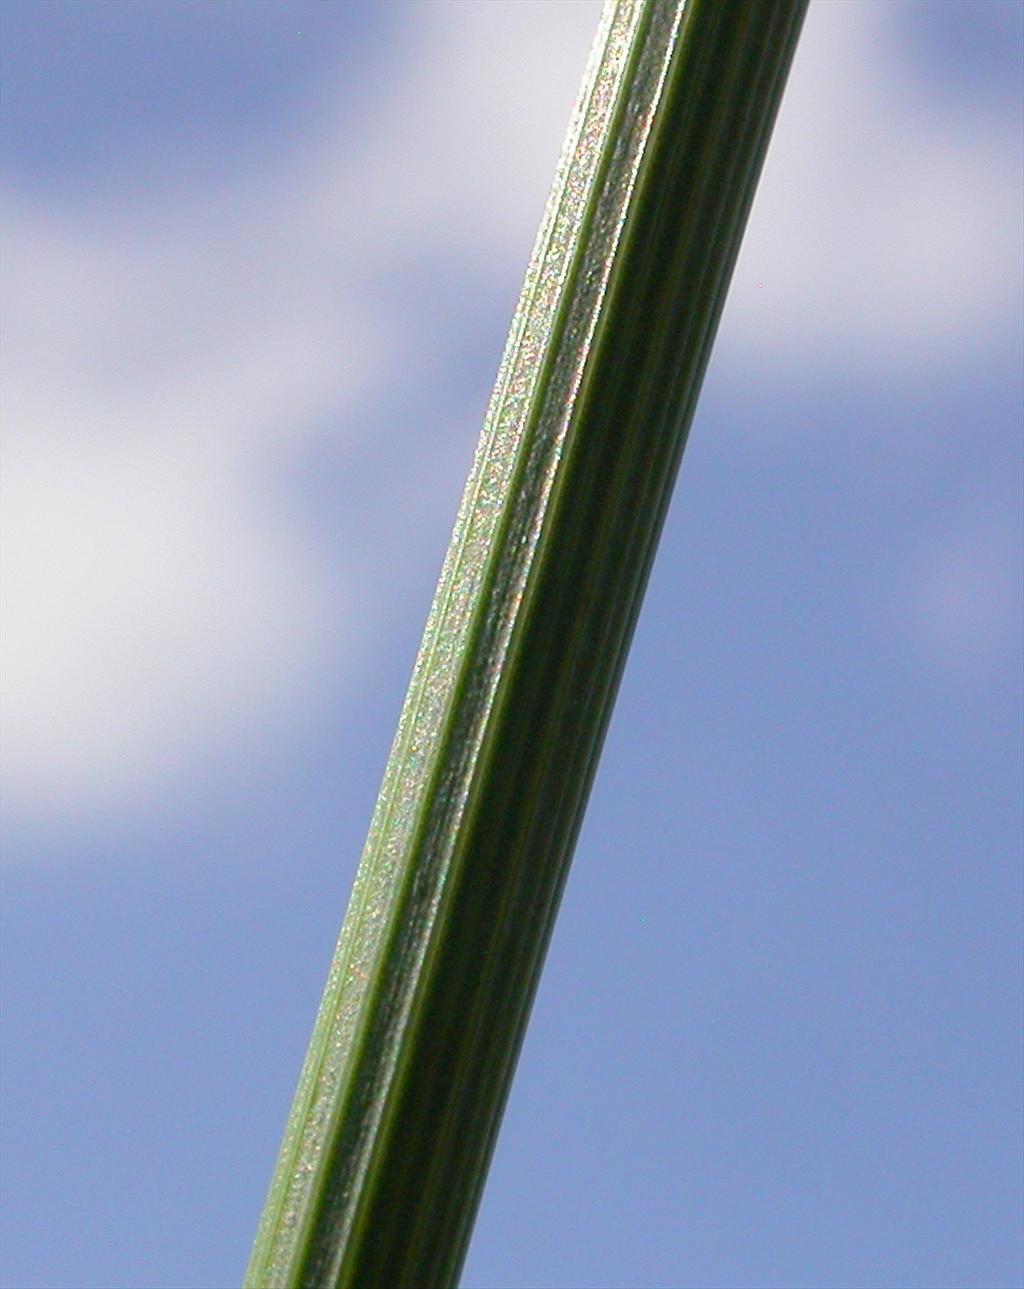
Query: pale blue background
point(259, 260)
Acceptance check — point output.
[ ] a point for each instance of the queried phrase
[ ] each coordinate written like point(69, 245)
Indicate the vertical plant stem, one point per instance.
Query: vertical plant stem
point(409, 1066)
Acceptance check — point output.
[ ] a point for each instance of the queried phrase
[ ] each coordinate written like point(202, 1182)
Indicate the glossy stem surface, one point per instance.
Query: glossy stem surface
point(409, 1066)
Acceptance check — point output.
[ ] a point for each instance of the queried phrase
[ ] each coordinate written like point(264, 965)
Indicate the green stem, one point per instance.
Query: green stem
point(411, 1058)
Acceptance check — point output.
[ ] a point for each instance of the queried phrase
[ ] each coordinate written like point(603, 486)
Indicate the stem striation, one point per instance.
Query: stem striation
point(410, 1062)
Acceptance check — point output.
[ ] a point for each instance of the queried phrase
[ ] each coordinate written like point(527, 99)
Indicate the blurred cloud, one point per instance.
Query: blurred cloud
point(886, 230)
point(166, 347)
point(966, 586)
point(161, 356)
point(153, 592)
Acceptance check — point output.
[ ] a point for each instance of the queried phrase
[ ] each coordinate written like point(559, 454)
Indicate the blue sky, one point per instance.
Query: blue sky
point(258, 264)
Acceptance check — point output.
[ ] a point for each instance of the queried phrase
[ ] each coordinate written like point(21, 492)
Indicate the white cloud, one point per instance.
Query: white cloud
point(161, 356)
point(152, 591)
point(966, 603)
point(964, 598)
point(886, 231)
point(163, 352)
